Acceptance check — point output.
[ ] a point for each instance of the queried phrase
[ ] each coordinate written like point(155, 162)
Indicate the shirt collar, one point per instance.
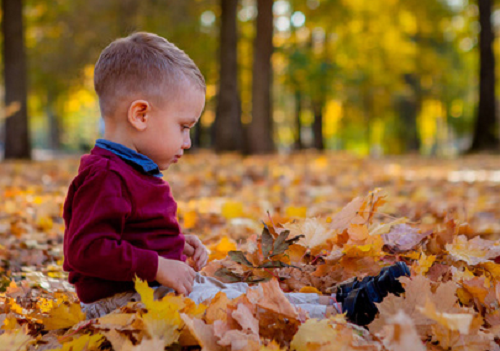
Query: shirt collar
point(140, 161)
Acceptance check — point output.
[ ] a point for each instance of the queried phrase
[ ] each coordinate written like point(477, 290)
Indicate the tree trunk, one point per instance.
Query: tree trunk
point(298, 124)
point(485, 134)
point(318, 126)
point(54, 127)
point(260, 130)
point(17, 141)
point(409, 108)
point(228, 131)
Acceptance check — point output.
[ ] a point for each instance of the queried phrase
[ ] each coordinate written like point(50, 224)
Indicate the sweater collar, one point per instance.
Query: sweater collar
point(140, 161)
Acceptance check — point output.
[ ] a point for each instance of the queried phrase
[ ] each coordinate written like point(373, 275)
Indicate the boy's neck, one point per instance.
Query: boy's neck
point(120, 138)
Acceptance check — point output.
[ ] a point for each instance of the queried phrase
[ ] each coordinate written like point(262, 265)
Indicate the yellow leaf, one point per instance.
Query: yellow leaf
point(372, 249)
point(425, 263)
point(493, 268)
point(220, 250)
point(14, 340)
point(473, 251)
point(162, 319)
point(45, 223)
point(64, 316)
point(10, 322)
point(315, 334)
point(309, 290)
point(232, 209)
point(190, 219)
point(299, 212)
point(460, 322)
point(84, 342)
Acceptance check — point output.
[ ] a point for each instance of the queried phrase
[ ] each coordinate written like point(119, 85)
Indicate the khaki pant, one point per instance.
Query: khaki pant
point(204, 288)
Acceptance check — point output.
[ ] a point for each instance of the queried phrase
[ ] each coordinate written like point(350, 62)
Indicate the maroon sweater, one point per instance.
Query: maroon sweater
point(118, 221)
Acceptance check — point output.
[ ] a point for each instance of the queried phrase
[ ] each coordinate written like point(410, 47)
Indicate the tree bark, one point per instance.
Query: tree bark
point(17, 141)
point(298, 124)
point(228, 131)
point(485, 134)
point(260, 130)
point(318, 126)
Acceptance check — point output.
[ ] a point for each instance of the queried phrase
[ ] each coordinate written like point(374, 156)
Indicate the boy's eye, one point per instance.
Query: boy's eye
point(186, 127)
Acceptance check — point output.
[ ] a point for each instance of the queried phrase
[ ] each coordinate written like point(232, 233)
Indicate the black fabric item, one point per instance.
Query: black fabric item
point(358, 297)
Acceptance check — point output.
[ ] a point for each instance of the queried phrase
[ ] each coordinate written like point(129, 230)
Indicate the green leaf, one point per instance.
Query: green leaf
point(228, 275)
point(280, 244)
point(274, 264)
point(295, 239)
point(266, 242)
point(239, 257)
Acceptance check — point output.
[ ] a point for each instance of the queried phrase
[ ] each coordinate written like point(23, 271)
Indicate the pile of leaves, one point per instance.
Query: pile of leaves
point(451, 300)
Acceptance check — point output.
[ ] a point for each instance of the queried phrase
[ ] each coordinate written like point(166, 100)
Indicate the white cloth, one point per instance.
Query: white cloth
point(204, 288)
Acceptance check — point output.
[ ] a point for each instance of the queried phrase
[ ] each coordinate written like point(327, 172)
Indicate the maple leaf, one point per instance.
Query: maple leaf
point(460, 322)
point(317, 334)
point(17, 340)
point(203, 333)
point(474, 251)
point(162, 319)
point(219, 251)
point(315, 232)
point(384, 228)
point(240, 341)
point(272, 298)
point(400, 334)
point(425, 263)
point(358, 233)
point(454, 340)
point(358, 211)
point(417, 291)
point(246, 319)
point(84, 342)
point(402, 237)
point(64, 316)
point(115, 320)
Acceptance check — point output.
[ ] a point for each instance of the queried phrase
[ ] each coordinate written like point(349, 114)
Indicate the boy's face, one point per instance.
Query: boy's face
point(167, 134)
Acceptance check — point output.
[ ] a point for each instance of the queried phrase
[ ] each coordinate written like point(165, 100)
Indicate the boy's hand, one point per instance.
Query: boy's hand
point(196, 250)
point(176, 275)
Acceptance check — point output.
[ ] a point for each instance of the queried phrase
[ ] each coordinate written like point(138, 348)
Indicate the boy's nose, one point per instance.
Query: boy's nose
point(187, 142)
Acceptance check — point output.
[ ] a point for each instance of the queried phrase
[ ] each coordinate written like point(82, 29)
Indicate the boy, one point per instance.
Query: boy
point(120, 215)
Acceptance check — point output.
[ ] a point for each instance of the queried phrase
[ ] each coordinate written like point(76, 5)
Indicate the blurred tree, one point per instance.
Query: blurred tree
point(228, 133)
point(260, 130)
point(296, 70)
point(17, 139)
point(485, 134)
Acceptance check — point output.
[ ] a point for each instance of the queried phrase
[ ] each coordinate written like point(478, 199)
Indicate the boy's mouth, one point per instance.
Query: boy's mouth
point(176, 158)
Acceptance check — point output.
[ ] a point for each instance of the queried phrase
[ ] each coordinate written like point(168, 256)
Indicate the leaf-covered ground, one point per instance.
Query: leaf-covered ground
point(293, 223)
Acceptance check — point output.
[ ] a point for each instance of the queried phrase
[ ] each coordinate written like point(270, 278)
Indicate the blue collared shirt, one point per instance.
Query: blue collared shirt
point(140, 161)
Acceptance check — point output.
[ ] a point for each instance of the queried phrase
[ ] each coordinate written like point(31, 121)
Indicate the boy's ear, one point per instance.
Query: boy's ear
point(138, 114)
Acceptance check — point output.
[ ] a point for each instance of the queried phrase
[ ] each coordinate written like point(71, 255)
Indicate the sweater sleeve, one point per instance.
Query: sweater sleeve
point(99, 210)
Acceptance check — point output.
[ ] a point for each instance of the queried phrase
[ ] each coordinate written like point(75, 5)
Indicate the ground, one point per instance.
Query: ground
point(293, 223)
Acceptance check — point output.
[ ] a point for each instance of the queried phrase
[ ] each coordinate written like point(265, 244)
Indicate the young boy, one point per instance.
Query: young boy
point(119, 213)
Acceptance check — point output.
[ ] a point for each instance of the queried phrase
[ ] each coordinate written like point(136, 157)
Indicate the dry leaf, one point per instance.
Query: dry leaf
point(400, 334)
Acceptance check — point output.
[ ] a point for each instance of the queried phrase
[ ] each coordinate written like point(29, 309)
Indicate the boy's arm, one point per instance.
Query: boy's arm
point(93, 245)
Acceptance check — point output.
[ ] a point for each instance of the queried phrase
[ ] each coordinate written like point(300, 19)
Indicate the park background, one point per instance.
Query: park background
point(339, 137)
point(371, 77)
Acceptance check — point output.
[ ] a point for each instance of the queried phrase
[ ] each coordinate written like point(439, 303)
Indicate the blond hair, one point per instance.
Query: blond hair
point(142, 65)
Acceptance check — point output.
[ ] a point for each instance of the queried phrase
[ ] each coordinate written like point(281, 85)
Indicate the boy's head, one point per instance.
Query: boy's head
point(147, 87)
